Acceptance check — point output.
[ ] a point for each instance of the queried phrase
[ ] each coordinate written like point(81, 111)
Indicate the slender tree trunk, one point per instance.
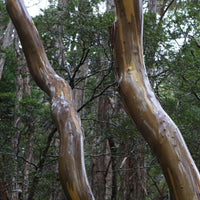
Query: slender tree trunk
point(152, 6)
point(113, 172)
point(28, 157)
point(5, 45)
point(57, 192)
point(60, 53)
point(133, 173)
point(17, 120)
point(100, 146)
point(143, 107)
point(3, 195)
point(79, 93)
point(26, 78)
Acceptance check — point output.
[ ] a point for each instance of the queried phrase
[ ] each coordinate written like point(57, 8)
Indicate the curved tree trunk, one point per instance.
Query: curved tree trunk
point(71, 158)
point(143, 107)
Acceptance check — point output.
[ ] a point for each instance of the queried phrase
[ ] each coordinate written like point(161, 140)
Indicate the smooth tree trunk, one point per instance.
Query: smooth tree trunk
point(56, 192)
point(152, 6)
point(99, 162)
point(16, 190)
point(28, 154)
point(133, 172)
point(158, 129)
point(71, 158)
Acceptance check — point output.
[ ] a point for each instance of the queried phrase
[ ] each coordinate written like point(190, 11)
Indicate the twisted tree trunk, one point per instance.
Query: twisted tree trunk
point(71, 158)
point(143, 107)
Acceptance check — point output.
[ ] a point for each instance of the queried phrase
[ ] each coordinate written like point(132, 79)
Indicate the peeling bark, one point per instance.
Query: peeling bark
point(143, 107)
point(71, 158)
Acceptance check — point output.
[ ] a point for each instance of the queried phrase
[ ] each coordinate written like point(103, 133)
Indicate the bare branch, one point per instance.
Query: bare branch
point(163, 14)
point(40, 165)
point(196, 40)
point(95, 96)
point(82, 60)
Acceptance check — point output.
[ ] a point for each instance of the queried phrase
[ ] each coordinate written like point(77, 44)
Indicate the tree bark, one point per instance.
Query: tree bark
point(100, 161)
point(28, 157)
point(3, 195)
point(71, 158)
point(16, 190)
point(133, 172)
point(5, 45)
point(143, 107)
point(110, 6)
point(152, 6)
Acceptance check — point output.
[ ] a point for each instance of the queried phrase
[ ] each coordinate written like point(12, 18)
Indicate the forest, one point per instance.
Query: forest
point(77, 36)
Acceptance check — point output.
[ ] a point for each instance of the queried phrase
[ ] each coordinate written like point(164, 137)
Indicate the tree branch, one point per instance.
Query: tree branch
point(40, 165)
point(163, 14)
point(195, 39)
point(95, 96)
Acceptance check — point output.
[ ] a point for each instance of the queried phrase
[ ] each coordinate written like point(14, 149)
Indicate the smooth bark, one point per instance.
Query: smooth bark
point(144, 108)
point(28, 154)
point(71, 158)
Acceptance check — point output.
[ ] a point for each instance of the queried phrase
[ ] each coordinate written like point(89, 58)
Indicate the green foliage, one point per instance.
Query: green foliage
point(7, 96)
point(3, 17)
point(8, 78)
point(81, 38)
